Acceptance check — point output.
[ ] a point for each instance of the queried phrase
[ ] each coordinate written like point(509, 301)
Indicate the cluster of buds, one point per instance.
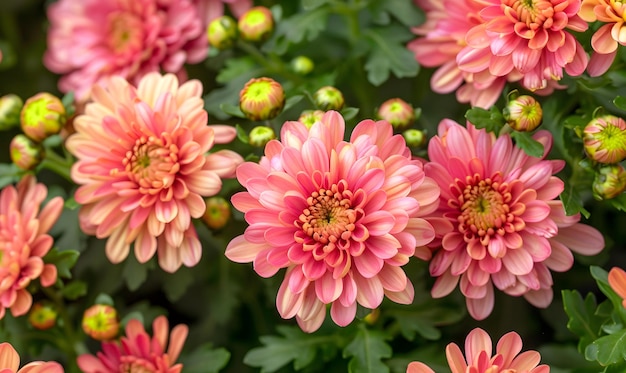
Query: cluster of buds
point(399, 113)
point(261, 99)
point(523, 113)
point(101, 322)
point(256, 25)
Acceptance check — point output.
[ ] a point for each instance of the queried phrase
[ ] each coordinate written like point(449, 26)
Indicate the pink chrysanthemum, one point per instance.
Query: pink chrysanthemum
point(498, 222)
point(530, 36)
point(90, 40)
point(10, 362)
point(342, 217)
point(24, 241)
point(606, 39)
point(143, 167)
point(211, 9)
point(138, 352)
point(478, 356)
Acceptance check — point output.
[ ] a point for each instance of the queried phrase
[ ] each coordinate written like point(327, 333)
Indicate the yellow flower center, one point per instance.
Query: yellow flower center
point(125, 33)
point(152, 163)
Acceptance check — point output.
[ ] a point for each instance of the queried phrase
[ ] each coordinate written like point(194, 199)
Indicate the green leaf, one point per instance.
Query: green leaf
point(582, 319)
point(367, 349)
point(134, 273)
point(205, 359)
point(242, 135)
point(529, 145)
point(294, 345)
point(349, 112)
point(63, 260)
point(232, 110)
point(609, 349)
point(301, 26)
point(312, 4)
point(9, 174)
point(103, 298)
point(572, 201)
point(620, 102)
point(389, 55)
point(234, 68)
point(74, 290)
point(491, 120)
point(404, 11)
point(602, 279)
point(177, 284)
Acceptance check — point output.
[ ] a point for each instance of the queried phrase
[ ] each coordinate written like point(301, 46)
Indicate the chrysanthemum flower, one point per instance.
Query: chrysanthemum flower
point(617, 280)
point(499, 222)
point(478, 356)
point(10, 362)
point(24, 241)
point(341, 217)
point(606, 39)
point(143, 167)
point(89, 40)
point(138, 352)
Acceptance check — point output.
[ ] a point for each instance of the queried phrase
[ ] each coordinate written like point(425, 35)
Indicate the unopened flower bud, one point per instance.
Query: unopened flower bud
point(217, 212)
point(609, 182)
point(256, 25)
point(42, 316)
point(302, 65)
point(399, 113)
point(372, 317)
point(261, 135)
point(414, 138)
point(10, 107)
point(222, 32)
point(604, 139)
point(262, 99)
point(42, 115)
point(25, 153)
point(100, 322)
point(328, 98)
point(309, 117)
point(523, 113)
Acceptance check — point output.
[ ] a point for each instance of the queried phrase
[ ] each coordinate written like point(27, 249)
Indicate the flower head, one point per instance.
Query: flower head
point(605, 40)
point(138, 352)
point(262, 99)
point(24, 241)
point(222, 32)
point(261, 135)
point(499, 222)
point(478, 356)
point(523, 113)
point(617, 280)
point(341, 216)
point(101, 322)
point(604, 139)
point(42, 115)
point(218, 211)
point(90, 40)
point(143, 167)
point(10, 362)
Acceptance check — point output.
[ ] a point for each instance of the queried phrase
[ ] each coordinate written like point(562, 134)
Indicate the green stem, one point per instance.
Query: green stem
point(57, 164)
point(73, 346)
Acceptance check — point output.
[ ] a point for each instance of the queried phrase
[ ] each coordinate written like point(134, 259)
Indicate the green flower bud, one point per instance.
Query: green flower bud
point(604, 139)
point(261, 135)
point(42, 316)
point(372, 317)
point(309, 117)
point(523, 113)
point(217, 212)
point(100, 322)
point(399, 113)
point(256, 25)
point(302, 65)
point(42, 115)
point(25, 153)
point(262, 99)
point(328, 98)
point(10, 107)
point(414, 138)
point(609, 182)
point(222, 32)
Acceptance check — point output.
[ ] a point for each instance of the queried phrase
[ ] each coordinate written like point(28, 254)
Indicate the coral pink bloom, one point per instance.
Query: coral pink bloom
point(89, 40)
point(10, 362)
point(499, 222)
point(24, 241)
point(530, 36)
point(342, 217)
point(606, 39)
point(617, 280)
point(479, 359)
point(143, 167)
point(211, 9)
point(138, 352)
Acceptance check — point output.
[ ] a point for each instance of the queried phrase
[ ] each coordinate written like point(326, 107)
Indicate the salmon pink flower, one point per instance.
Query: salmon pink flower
point(606, 39)
point(212, 9)
point(24, 241)
point(10, 362)
point(138, 352)
point(341, 217)
point(90, 40)
point(143, 167)
point(478, 356)
point(617, 280)
point(499, 222)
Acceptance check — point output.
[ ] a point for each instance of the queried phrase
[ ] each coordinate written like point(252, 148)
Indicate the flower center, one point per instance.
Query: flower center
point(131, 364)
point(485, 208)
point(612, 138)
point(152, 163)
point(125, 33)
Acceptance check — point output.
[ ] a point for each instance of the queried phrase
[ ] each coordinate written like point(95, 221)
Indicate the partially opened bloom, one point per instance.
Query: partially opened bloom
point(604, 139)
point(609, 36)
point(90, 40)
point(138, 352)
point(617, 280)
point(479, 357)
point(10, 362)
point(499, 222)
point(341, 216)
point(143, 167)
point(24, 241)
